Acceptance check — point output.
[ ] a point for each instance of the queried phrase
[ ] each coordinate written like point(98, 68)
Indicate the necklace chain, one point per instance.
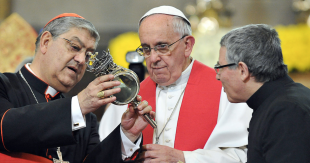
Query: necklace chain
point(156, 131)
point(28, 86)
point(58, 148)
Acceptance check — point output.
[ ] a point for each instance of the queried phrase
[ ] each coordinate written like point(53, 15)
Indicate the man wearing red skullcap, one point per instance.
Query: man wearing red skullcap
point(41, 124)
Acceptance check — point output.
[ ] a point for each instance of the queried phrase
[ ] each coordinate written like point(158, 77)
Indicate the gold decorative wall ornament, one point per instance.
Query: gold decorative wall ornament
point(17, 42)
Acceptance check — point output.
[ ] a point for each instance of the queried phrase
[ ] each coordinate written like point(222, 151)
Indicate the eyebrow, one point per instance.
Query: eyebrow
point(81, 43)
point(158, 43)
point(144, 44)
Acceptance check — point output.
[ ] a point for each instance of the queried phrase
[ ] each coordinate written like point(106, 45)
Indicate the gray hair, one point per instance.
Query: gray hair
point(64, 24)
point(259, 47)
point(180, 26)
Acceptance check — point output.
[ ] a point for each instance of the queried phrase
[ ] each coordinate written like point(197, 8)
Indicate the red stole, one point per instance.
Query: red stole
point(199, 108)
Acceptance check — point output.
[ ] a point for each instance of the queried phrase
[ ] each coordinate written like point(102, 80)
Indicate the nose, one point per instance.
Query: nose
point(154, 57)
point(80, 58)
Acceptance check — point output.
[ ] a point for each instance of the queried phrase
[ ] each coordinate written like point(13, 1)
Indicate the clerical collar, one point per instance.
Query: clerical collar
point(183, 78)
point(37, 83)
point(266, 90)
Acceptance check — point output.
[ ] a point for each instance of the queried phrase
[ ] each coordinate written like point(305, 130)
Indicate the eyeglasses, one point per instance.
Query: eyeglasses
point(161, 49)
point(75, 48)
point(217, 67)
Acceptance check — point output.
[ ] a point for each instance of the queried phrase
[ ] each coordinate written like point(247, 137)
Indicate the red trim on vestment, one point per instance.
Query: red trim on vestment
point(34, 74)
point(2, 129)
point(46, 152)
point(19, 157)
point(55, 95)
point(43, 82)
point(85, 158)
point(199, 108)
point(148, 93)
point(133, 157)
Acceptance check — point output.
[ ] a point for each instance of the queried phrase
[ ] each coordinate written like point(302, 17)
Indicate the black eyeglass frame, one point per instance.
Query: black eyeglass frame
point(156, 47)
point(222, 66)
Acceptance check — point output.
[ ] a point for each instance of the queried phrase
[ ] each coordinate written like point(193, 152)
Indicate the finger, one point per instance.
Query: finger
point(149, 147)
point(100, 94)
point(152, 114)
point(148, 151)
point(139, 98)
point(149, 160)
point(107, 100)
point(146, 110)
point(142, 105)
point(143, 148)
point(151, 154)
point(107, 85)
point(156, 160)
point(140, 157)
point(103, 78)
point(130, 105)
point(129, 113)
point(152, 147)
point(109, 92)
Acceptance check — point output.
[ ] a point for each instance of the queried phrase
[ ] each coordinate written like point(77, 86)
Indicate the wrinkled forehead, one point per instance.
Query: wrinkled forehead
point(158, 24)
point(81, 36)
point(85, 32)
point(158, 17)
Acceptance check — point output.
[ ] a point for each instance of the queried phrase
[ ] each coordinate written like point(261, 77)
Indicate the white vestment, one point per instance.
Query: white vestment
point(226, 144)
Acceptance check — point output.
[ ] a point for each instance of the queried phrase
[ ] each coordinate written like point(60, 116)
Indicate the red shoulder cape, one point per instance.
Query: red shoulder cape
point(199, 108)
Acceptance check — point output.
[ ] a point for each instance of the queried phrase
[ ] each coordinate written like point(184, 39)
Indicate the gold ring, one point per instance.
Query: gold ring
point(100, 94)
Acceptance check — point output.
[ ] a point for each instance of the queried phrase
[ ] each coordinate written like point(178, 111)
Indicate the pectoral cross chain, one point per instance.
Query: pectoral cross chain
point(60, 157)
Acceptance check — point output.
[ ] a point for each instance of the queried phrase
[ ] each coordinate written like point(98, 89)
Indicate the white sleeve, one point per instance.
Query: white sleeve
point(227, 143)
point(78, 120)
point(110, 119)
point(128, 147)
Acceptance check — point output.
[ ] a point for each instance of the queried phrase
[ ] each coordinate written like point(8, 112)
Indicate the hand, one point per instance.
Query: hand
point(160, 153)
point(88, 99)
point(133, 121)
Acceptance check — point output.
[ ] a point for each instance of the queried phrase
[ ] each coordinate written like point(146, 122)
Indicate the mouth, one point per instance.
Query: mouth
point(74, 69)
point(157, 68)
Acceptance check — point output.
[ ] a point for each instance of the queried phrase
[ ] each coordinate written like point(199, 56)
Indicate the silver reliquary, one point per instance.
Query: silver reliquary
point(130, 84)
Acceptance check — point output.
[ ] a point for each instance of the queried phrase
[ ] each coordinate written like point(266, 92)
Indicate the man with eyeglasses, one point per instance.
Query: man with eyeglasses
point(192, 112)
point(36, 118)
point(252, 70)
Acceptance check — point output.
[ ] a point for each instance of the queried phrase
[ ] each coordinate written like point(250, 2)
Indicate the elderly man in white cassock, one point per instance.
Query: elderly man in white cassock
point(196, 123)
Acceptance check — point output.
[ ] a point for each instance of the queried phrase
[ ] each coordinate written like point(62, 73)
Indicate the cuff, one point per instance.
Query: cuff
point(188, 156)
point(78, 120)
point(128, 147)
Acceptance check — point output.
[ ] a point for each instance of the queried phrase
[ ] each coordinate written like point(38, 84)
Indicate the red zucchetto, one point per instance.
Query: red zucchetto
point(64, 15)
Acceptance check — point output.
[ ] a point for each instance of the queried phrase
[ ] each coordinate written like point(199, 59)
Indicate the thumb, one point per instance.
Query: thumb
point(129, 113)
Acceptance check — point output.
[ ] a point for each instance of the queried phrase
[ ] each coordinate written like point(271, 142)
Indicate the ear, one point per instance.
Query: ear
point(244, 71)
point(45, 39)
point(189, 44)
